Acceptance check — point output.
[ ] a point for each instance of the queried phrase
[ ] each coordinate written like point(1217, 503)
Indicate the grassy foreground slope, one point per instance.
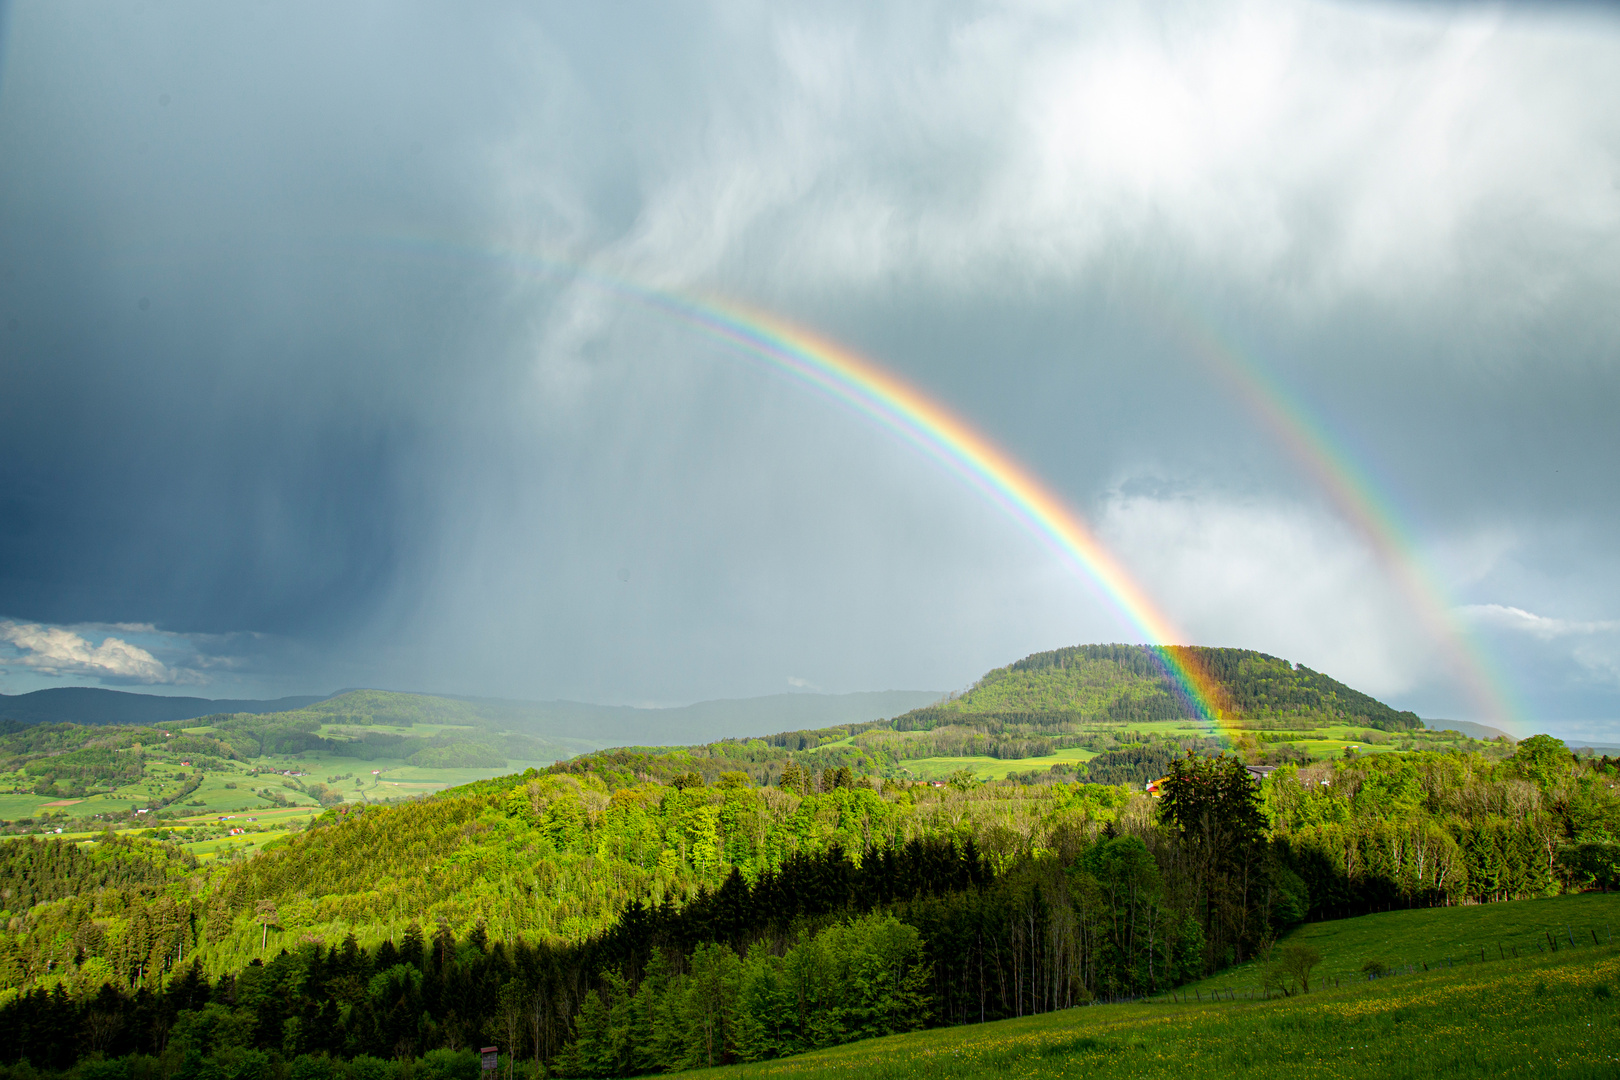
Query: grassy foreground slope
point(1550, 1015)
point(1439, 936)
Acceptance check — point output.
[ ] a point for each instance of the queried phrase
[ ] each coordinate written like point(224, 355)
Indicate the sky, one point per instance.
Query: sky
point(326, 357)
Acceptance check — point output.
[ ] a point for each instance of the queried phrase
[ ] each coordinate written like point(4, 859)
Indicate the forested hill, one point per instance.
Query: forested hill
point(94, 705)
point(1261, 686)
point(1130, 683)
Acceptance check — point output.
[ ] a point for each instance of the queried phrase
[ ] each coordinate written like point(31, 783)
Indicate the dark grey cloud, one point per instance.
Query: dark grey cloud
point(285, 382)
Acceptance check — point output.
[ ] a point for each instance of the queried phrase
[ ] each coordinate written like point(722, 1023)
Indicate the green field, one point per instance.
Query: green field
point(1547, 1015)
point(234, 789)
point(20, 805)
point(1334, 742)
point(988, 768)
point(1436, 936)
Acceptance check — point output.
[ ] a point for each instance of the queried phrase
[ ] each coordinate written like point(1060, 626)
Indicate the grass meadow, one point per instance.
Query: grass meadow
point(1547, 1015)
point(988, 768)
point(1440, 936)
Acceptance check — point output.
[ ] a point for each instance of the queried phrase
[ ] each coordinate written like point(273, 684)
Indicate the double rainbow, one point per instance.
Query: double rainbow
point(913, 415)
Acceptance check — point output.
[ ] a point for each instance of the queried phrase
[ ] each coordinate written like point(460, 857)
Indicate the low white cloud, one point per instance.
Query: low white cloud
point(65, 652)
point(1592, 645)
point(1544, 627)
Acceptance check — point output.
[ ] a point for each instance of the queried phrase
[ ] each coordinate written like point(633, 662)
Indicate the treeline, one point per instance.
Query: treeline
point(1138, 765)
point(36, 871)
point(761, 762)
point(405, 997)
point(990, 723)
point(558, 856)
point(965, 741)
point(1402, 830)
point(549, 887)
point(588, 850)
point(826, 949)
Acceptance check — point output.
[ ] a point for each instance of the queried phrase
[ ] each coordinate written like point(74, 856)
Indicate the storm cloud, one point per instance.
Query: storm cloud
point(308, 364)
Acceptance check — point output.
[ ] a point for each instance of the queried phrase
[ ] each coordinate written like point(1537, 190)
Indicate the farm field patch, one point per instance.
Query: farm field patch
point(23, 805)
point(989, 768)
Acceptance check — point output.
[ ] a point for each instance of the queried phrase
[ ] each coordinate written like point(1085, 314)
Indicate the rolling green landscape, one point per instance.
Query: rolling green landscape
point(381, 878)
point(194, 781)
point(568, 541)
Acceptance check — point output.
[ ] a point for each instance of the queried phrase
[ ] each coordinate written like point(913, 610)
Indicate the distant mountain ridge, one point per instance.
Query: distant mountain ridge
point(94, 705)
point(596, 724)
point(1469, 728)
point(703, 721)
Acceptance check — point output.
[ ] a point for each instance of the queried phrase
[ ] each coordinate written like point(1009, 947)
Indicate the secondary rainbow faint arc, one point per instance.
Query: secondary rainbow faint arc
point(905, 409)
point(1293, 425)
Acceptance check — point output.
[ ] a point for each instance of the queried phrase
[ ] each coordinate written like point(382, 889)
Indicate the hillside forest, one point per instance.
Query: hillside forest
point(644, 909)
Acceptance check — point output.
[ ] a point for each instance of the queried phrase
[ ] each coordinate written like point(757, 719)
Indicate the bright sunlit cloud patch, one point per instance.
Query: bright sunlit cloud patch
point(56, 650)
point(111, 653)
point(1542, 626)
point(1276, 577)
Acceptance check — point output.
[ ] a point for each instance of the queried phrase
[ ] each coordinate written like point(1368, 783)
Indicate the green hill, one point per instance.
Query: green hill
point(1131, 683)
point(646, 908)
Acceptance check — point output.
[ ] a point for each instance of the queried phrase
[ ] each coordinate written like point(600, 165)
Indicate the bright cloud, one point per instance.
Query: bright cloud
point(1255, 138)
point(1274, 577)
point(1540, 626)
point(57, 650)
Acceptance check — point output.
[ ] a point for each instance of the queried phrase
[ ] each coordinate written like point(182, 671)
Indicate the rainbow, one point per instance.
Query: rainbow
point(861, 384)
point(904, 409)
point(1349, 487)
point(892, 402)
point(907, 411)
